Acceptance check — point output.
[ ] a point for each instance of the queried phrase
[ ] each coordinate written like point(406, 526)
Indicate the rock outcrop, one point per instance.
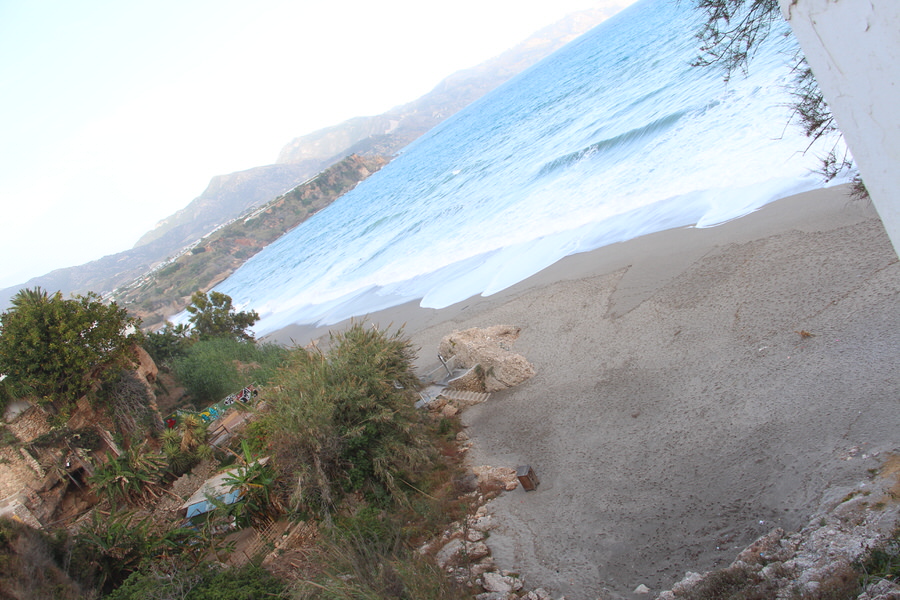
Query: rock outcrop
point(817, 561)
point(487, 354)
point(45, 467)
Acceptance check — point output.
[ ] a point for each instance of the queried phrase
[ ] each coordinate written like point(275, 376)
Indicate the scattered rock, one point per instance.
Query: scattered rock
point(503, 477)
point(493, 596)
point(495, 582)
point(819, 558)
point(474, 535)
point(641, 589)
point(765, 549)
point(449, 553)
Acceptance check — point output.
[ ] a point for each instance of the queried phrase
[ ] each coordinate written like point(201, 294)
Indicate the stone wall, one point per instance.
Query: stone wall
point(29, 424)
point(16, 472)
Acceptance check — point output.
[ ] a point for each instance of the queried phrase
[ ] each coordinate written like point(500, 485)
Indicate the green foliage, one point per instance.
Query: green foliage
point(87, 438)
point(168, 344)
point(733, 31)
point(186, 445)
point(56, 349)
point(7, 437)
point(360, 569)
point(256, 482)
point(134, 476)
point(345, 420)
point(883, 562)
point(108, 549)
point(212, 369)
point(203, 582)
point(731, 35)
point(213, 316)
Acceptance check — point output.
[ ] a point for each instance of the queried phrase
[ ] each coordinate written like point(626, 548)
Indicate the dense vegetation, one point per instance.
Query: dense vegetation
point(339, 444)
point(56, 349)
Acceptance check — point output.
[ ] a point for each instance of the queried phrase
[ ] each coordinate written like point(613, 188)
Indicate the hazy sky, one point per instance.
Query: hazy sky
point(114, 114)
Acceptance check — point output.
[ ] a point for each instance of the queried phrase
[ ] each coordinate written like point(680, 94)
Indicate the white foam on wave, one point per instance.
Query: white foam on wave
point(590, 149)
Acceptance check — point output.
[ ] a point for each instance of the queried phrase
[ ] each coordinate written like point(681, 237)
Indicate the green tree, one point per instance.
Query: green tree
point(168, 344)
point(213, 316)
point(58, 349)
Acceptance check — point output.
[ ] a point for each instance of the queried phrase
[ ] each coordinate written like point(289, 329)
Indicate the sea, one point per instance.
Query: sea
point(612, 137)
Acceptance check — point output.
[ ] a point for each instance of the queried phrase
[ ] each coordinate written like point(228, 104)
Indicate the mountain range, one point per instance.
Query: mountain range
point(227, 197)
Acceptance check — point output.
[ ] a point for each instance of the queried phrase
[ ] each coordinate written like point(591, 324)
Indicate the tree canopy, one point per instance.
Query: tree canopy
point(57, 349)
point(213, 316)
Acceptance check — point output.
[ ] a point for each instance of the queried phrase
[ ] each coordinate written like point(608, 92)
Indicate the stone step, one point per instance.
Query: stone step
point(464, 397)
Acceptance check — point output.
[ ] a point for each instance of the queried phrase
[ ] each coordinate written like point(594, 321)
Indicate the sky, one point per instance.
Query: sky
point(113, 115)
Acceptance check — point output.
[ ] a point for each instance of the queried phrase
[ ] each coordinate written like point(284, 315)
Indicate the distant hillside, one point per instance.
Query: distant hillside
point(224, 198)
point(166, 290)
point(389, 132)
point(228, 196)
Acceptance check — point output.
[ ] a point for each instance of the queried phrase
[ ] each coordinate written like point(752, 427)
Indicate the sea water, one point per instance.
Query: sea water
point(614, 136)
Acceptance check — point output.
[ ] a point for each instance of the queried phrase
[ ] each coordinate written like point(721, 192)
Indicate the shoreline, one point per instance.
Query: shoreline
point(648, 255)
point(676, 413)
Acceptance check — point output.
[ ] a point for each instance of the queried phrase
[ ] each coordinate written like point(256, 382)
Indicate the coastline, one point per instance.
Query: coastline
point(650, 259)
point(676, 413)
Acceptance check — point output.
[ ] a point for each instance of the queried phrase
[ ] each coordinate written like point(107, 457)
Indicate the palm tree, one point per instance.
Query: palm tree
point(134, 475)
point(186, 444)
point(255, 481)
point(30, 297)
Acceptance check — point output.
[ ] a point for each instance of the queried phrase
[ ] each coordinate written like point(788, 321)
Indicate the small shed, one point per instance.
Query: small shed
point(214, 487)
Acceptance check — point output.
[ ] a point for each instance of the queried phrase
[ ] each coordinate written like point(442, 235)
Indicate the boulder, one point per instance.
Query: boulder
point(487, 352)
point(496, 477)
point(495, 582)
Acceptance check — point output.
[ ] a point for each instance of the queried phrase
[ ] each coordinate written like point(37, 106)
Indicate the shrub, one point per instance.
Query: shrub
point(365, 569)
point(133, 476)
point(203, 582)
point(345, 420)
point(212, 369)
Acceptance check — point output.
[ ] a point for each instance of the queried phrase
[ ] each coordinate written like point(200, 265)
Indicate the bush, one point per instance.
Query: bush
point(361, 568)
point(212, 369)
point(345, 420)
point(203, 582)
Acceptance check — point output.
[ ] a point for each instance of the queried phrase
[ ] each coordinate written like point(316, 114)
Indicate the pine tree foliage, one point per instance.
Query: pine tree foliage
point(730, 36)
point(213, 316)
point(57, 349)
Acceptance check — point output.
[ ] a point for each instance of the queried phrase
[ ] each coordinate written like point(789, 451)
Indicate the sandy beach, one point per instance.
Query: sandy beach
point(677, 412)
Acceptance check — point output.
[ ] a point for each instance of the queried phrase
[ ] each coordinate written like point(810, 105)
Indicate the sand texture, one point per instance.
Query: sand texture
point(677, 412)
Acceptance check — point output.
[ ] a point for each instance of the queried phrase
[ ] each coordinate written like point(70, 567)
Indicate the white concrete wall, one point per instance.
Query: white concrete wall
point(853, 47)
